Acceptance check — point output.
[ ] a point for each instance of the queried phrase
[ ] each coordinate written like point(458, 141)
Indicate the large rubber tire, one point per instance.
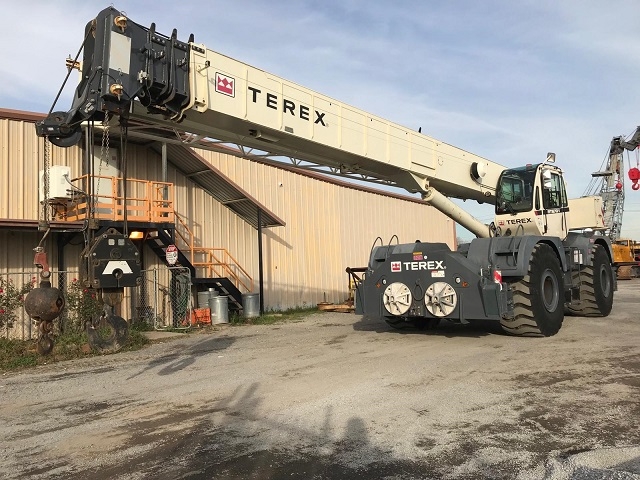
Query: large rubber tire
point(596, 286)
point(539, 297)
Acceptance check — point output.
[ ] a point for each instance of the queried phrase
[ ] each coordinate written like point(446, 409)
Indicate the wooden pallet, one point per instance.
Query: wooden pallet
point(336, 307)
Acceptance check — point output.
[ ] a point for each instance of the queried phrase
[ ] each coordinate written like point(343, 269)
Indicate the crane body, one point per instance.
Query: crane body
point(523, 270)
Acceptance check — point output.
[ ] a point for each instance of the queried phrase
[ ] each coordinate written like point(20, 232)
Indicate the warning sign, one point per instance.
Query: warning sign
point(171, 254)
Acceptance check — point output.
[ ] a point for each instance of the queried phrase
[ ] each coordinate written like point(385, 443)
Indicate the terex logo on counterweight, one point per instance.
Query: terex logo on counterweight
point(427, 265)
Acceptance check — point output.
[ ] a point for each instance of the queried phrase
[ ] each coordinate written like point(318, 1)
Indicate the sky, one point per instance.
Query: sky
point(507, 80)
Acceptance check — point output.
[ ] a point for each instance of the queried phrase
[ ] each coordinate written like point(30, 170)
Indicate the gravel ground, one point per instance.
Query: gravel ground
point(338, 396)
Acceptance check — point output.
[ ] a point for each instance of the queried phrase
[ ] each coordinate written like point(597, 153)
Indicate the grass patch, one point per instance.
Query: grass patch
point(269, 318)
point(15, 354)
point(18, 354)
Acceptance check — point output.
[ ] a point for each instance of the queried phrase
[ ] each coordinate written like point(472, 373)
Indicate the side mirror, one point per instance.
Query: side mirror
point(551, 157)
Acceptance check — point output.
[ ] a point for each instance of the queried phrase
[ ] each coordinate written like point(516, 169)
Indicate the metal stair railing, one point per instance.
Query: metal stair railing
point(147, 201)
point(215, 261)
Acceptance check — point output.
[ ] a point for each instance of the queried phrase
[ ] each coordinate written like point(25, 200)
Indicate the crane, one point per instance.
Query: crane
point(523, 270)
point(608, 183)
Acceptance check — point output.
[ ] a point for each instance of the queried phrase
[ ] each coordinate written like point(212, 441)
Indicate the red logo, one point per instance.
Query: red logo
point(396, 266)
point(225, 85)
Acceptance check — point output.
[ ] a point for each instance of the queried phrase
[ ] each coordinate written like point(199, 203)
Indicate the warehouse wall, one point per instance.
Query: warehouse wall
point(21, 158)
point(328, 227)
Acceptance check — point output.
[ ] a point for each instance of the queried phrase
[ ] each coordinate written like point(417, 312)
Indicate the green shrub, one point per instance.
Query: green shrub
point(11, 299)
point(82, 304)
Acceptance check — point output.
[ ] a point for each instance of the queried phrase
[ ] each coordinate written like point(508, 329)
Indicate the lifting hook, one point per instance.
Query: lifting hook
point(44, 303)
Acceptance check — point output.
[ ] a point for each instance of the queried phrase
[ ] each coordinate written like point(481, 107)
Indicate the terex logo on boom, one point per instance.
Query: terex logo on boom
point(288, 106)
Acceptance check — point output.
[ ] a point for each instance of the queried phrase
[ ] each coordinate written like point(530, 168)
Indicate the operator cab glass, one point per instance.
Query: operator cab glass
point(554, 195)
point(515, 190)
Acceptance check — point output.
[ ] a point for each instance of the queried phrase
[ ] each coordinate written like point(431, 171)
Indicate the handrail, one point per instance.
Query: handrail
point(148, 201)
point(145, 203)
point(227, 266)
point(188, 242)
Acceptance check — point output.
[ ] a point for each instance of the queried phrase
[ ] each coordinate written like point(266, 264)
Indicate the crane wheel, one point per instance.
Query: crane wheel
point(596, 287)
point(538, 298)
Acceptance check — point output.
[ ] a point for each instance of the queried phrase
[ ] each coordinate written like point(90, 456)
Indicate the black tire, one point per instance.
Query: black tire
point(596, 286)
point(539, 297)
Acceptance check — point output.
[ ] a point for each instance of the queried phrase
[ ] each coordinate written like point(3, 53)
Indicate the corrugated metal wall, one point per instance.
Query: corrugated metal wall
point(21, 158)
point(328, 227)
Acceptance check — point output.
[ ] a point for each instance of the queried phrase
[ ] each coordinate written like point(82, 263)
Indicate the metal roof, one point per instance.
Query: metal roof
point(218, 185)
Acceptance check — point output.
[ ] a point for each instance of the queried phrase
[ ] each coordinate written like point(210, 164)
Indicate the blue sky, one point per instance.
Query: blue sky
point(507, 80)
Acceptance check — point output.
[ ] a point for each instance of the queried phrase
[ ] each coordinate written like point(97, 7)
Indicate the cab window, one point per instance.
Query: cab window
point(553, 191)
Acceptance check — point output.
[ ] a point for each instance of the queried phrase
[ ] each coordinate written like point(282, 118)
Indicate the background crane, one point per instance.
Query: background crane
point(608, 182)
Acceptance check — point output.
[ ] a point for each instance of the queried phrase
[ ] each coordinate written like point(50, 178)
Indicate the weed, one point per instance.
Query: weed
point(17, 354)
point(271, 317)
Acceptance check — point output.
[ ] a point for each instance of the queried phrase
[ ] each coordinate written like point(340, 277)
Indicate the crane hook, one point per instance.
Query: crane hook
point(634, 176)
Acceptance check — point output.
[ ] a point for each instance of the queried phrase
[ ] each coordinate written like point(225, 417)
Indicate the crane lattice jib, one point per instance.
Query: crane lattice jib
point(609, 182)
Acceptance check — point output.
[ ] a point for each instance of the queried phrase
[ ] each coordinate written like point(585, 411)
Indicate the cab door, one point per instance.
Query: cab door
point(555, 204)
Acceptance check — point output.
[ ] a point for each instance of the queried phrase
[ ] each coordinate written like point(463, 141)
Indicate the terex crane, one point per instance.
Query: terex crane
point(524, 270)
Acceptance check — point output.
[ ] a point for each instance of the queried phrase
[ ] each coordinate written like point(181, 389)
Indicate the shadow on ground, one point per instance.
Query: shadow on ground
point(474, 329)
point(181, 357)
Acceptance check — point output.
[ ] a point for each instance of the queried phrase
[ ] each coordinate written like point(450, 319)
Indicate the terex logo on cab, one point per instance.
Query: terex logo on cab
point(396, 266)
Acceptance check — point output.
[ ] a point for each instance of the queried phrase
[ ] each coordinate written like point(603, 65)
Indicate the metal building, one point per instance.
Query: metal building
point(212, 204)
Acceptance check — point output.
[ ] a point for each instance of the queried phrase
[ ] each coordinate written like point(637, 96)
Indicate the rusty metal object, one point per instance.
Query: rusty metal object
point(108, 333)
point(44, 344)
point(44, 303)
point(111, 296)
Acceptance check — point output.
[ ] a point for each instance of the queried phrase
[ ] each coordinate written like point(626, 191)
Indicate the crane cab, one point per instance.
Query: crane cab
point(532, 200)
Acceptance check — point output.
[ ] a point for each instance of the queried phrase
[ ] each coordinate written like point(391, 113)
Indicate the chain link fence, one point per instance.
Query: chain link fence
point(164, 299)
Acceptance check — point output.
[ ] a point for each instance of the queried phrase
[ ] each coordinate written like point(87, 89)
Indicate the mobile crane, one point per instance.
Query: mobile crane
point(538, 259)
